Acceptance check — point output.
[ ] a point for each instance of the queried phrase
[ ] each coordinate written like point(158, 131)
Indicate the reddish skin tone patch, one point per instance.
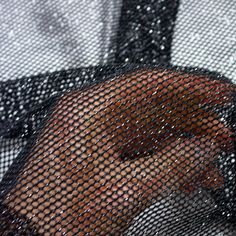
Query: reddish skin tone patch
point(91, 170)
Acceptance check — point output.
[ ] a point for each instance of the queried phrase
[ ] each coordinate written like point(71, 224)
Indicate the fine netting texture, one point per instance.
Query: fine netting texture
point(138, 151)
point(205, 36)
point(39, 36)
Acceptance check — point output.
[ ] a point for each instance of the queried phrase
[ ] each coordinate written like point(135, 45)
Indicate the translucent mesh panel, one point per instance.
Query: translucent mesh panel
point(205, 36)
point(124, 143)
point(40, 36)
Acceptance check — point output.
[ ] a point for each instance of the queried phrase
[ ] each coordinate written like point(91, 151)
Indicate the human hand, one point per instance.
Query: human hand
point(109, 151)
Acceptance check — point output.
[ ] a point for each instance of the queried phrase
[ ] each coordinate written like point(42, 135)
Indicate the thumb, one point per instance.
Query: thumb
point(182, 165)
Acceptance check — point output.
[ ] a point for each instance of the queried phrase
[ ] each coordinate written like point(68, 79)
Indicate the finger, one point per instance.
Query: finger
point(200, 88)
point(184, 165)
point(146, 106)
point(204, 123)
point(183, 161)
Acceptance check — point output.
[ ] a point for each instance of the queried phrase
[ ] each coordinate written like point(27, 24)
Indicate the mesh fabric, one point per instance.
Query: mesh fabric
point(111, 138)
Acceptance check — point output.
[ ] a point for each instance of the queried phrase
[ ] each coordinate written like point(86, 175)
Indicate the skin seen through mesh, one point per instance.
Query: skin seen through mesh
point(112, 150)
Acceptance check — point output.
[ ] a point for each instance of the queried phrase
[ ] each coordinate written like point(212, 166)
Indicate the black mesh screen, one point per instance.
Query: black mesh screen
point(130, 146)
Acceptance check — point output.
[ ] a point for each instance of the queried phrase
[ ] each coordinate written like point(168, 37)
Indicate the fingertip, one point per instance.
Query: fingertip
point(212, 178)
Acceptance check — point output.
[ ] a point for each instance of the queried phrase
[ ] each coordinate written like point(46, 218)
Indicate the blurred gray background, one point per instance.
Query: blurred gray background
point(37, 36)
